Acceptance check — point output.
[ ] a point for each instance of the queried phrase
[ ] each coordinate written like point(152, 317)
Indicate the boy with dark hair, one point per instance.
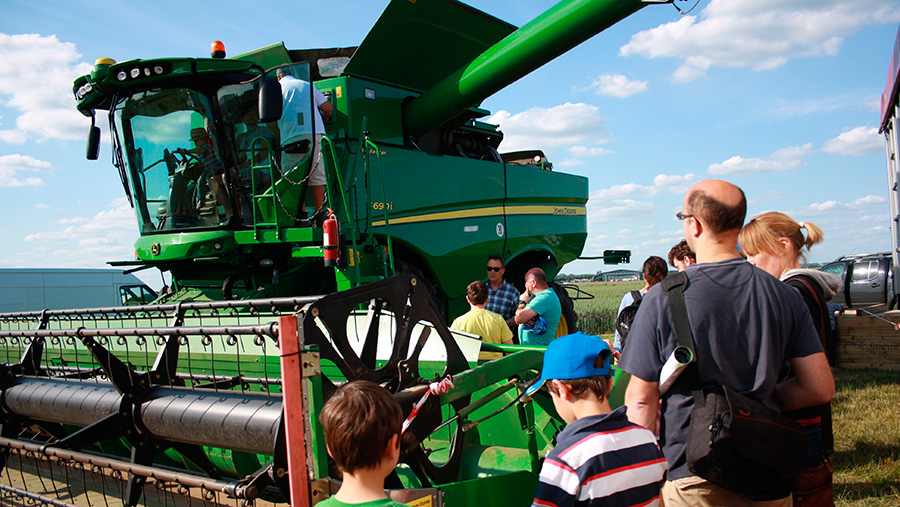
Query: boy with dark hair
point(600, 458)
point(681, 256)
point(362, 433)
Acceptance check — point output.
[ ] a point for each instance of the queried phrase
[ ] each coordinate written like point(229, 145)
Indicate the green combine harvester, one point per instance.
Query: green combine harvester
point(209, 396)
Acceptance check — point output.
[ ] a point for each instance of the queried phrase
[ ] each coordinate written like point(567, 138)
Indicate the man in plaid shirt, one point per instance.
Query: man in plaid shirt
point(503, 298)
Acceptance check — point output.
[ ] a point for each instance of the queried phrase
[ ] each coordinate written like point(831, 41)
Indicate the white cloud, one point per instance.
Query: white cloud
point(867, 200)
point(674, 183)
point(860, 141)
point(12, 165)
point(626, 209)
point(577, 128)
point(840, 102)
point(869, 203)
point(13, 136)
point(588, 151)
point(617, 85)
point(662, 184)
point(73, 220)
point(785, 159)
point(550, 128)
point(579, 152)
point(116, 222)
point(629, 202)
point(36, 73)
point(82, 242)
point(760, 34)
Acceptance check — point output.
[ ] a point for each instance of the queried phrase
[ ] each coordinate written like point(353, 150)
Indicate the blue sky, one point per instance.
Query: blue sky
point(779, 97)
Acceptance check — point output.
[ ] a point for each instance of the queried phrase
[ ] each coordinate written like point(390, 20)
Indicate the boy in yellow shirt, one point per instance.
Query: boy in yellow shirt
point(490, 326)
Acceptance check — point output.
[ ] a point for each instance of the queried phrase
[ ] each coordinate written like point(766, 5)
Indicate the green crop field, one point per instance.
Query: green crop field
point(598, 315)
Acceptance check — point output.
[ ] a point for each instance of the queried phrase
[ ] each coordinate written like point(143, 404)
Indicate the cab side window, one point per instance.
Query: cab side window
point(136, 295)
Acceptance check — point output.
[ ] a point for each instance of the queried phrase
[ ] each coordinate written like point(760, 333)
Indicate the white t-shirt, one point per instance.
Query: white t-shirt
point(294, 122)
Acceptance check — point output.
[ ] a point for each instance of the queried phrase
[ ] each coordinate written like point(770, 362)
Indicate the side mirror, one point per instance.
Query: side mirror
point(93, 143)
point(270, 107)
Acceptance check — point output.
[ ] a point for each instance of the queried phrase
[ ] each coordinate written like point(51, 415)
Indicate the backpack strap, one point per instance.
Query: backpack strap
point(815, 294)
point(674, 286)
point(827, 420)
point(636, 295)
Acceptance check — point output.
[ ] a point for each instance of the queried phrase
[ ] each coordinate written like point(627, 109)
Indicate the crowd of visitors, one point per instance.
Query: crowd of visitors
point(757, 322)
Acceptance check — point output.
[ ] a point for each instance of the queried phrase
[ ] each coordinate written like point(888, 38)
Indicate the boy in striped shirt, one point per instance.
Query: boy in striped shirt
point(600, 458)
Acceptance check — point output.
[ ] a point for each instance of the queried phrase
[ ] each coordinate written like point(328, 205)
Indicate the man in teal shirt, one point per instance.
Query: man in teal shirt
point(538, 302)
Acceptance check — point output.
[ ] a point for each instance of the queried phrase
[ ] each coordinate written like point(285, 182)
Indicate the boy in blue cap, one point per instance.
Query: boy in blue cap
point(600, 458)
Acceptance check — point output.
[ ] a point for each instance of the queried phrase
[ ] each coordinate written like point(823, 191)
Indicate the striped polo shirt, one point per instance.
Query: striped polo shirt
point(602, 460)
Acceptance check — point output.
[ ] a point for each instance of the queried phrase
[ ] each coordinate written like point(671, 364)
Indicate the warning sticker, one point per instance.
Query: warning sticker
point(422, 502)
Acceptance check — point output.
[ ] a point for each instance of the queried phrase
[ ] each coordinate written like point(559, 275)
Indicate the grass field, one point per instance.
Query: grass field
point(866, 429)
point(598, 315)
point(866, 438)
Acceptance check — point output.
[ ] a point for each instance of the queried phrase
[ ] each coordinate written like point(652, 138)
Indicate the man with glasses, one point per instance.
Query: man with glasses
point(747, 325)
point(503, 298)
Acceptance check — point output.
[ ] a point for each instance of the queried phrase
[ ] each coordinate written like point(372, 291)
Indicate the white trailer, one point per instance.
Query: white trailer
point(25, 289)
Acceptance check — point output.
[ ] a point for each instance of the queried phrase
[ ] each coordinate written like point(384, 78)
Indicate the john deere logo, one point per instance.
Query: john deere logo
point(155, 249)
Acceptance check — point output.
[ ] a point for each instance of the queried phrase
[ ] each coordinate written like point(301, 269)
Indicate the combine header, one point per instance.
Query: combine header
point(206, 402)
point(210, 396)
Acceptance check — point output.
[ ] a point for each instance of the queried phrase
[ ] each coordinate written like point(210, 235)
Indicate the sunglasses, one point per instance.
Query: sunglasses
point(489, 268)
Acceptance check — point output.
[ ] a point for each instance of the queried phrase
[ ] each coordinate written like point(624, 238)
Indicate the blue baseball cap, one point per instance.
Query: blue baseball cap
point(576, 355)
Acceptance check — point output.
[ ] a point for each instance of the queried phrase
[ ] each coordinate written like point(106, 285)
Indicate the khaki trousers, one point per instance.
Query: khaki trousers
point(694, 491)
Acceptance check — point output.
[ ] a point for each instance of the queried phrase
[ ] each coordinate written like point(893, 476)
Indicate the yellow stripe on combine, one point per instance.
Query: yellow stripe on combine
point(530, 209)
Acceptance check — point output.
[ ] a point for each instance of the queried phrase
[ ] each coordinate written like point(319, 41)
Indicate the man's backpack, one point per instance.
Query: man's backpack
point(626, 316)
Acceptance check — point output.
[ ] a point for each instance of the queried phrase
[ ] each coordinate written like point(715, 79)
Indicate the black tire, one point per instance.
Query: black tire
point(437, 297)
point(568, 310)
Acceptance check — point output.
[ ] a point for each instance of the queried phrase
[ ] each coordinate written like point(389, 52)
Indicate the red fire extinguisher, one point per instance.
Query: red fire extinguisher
point(330, 239)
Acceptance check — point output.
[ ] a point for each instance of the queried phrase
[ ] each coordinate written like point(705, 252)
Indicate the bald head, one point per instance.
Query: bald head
point(539, 277)
point(720, 206)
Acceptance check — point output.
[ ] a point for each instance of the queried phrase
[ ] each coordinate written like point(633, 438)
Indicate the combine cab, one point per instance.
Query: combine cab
point(414, 178)
point(210, 395)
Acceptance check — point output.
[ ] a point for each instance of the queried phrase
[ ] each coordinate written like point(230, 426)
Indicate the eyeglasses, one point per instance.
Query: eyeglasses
point(682, 216)
point(491, 268)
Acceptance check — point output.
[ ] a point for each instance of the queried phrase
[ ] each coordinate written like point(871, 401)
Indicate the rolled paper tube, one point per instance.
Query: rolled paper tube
point(681, 357)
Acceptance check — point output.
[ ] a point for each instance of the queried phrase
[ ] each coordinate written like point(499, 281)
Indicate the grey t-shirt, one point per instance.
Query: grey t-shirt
point(746, 323)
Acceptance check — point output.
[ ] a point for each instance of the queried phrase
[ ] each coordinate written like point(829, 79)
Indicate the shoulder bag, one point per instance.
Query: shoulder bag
point(733, 441)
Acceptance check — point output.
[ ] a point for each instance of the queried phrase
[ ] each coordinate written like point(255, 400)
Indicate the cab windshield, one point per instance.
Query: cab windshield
point(166, 144)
